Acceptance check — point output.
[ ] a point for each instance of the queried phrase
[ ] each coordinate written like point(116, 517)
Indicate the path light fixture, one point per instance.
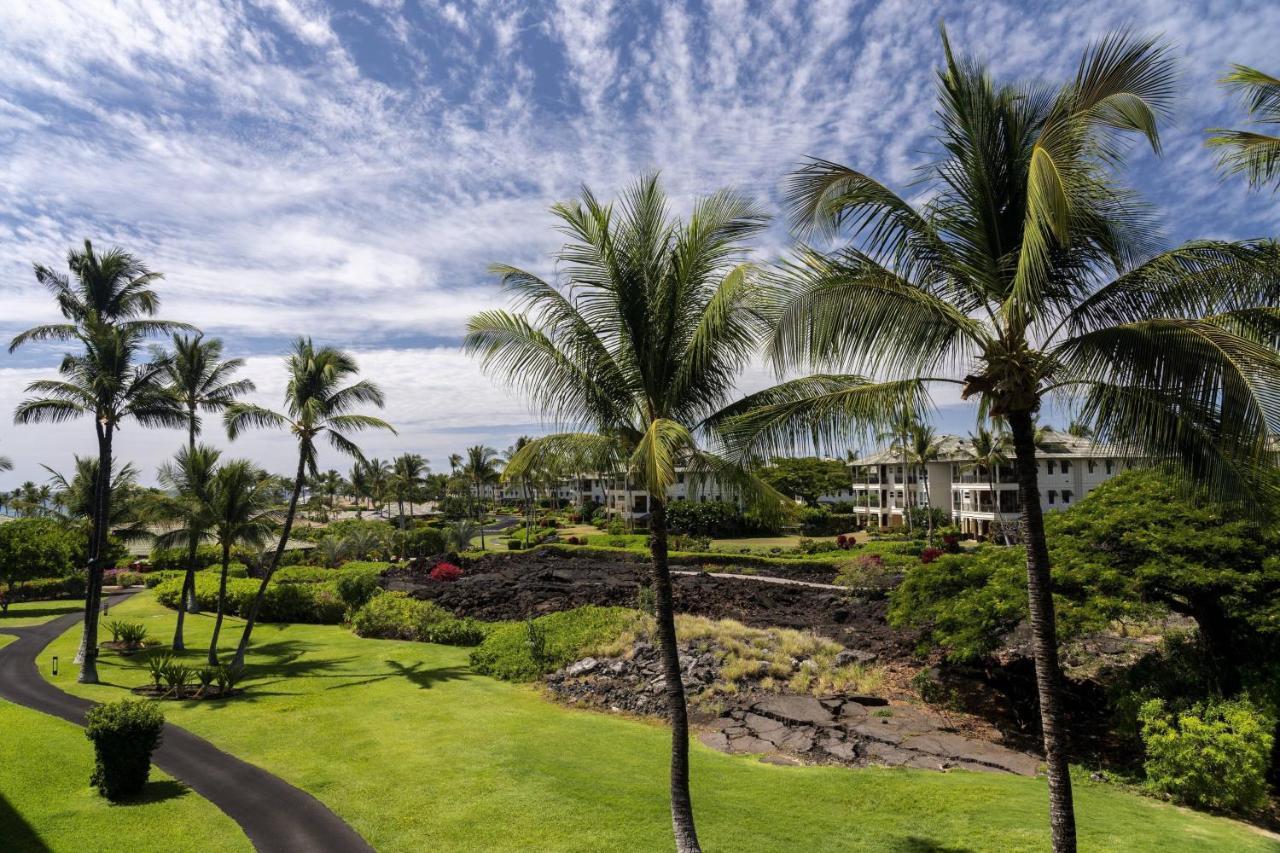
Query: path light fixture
point(55, 664)
point(104, 607)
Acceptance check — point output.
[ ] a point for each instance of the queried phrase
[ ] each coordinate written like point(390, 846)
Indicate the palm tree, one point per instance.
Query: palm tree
point(455, 462)
point(407, 473)
point(378, 474)
point(524, 480)
point(109, 311)
point(6, 464)
point(988, 449)
point(316, 404)
point(202, 381)
point(459, 534)
point(645, 342)
point(190, 476)
point(923, 447)
point(1254, 153)
point(898, 434)
point(358, 481)
point(1031, 273)
point(241, 507)
point(330, 485)
point(481, 469)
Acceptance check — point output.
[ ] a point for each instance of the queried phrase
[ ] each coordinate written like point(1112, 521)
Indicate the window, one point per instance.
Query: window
point(1066, 466)
point(1053, 496)
point(1090, 463)
point(1108, 467)
point(1066, 496)
point(1049, 464)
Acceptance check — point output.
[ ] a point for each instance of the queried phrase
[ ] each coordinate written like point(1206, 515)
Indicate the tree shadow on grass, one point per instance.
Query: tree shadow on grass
point(916, 844)
point(156, 791)
point(34, 612)
point(18, 835)
point(424, 678)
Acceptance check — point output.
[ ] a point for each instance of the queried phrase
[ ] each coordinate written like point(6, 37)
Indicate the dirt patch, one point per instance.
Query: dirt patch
point(525, 585)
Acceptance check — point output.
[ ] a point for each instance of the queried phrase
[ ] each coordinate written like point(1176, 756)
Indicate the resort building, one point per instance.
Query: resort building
point(977, 499)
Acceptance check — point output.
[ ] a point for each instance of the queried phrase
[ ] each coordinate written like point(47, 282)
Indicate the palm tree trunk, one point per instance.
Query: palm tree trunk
point(906, 487)
point(191, 427)
point(97, 556)
point(252, 618)
point(1044, 636)
point(928, 501)
point(686, 835)
point(222, 604)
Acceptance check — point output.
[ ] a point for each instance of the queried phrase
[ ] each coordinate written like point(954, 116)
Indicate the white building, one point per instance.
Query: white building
point(1069, 468)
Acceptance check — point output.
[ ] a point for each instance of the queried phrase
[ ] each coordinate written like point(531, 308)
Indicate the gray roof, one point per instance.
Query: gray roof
point(1055, 444)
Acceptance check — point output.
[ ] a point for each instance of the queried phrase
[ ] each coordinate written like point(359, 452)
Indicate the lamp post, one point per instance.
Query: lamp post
point(55, 664)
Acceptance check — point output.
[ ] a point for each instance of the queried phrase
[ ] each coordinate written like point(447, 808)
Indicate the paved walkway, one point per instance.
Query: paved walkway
point(274, 815)
point(767, 579)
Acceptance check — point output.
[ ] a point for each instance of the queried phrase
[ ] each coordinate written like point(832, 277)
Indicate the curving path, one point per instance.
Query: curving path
point(274, 815)
point(766, 579)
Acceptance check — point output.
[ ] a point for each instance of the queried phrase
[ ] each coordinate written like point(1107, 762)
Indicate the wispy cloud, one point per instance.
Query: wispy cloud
point(349, 171)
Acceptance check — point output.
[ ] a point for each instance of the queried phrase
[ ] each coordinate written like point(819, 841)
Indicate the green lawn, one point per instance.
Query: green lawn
point(46, 802)
point(418, 753)
point(24, 613)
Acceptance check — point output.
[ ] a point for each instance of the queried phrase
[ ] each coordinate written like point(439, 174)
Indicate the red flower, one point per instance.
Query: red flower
point(928, 555)
point(446, 572)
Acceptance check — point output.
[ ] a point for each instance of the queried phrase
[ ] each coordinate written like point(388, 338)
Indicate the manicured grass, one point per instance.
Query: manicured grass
point(417, 752)
point(24, 613)
point(46, 803)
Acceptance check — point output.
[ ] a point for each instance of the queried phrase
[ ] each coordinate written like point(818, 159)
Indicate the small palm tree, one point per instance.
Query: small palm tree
point(1031, 273)
point(189, 476)
point(332, 551)
point(378, 476)
point(202, 380)
point(988, 447)
point(640, 350)
point(455, 462)
point(109, 311)
point(458, 535)
point(316, 405)
point(897, 433)
point(1252, 152)
point(241, 507)
point(923, 448)
point(482, 470)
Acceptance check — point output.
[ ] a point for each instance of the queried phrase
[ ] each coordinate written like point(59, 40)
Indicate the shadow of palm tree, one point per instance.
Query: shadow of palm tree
point(18, 835)
point(427, 678)
point(916, 844)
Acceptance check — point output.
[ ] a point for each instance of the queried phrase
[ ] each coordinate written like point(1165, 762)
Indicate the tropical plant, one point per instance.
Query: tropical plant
point(481, 469)
point(408, 472)
point(241, 509)
point(1251, 152)
point(897, 432)
point(202, 380)
point(459, 534)
point(109, 310)
point(988, 447)
point(923, 448)
point(316, 404)
point(189, 476)
point(71, 501)
point(455, 462)
point(641, 346)
point(1031, 272)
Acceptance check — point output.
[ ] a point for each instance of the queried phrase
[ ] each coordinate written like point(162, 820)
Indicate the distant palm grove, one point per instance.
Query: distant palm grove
point(1022, 272)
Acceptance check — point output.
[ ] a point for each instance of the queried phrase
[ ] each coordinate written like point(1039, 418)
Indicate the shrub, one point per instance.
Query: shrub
point(1214, 755)
point(169, 559)
point(313, 603)
point(446, 572)
point(154, 579)
point(124, 734)
point(43, 589)
point(357, 585)
point(33, 548)
point(303, 574)
point(508, 653)
point(396, 616)
point(129, 633)
point(514, 545)
point(123, 577)
point(928, 555)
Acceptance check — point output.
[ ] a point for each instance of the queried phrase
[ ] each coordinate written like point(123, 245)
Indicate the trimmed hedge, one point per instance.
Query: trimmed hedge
point(396, 616)
point(124, 734)
point(312, 603)
point(44, 589)
point(523, 651)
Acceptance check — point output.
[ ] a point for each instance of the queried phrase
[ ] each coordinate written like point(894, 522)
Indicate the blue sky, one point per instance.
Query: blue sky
point(348, 170)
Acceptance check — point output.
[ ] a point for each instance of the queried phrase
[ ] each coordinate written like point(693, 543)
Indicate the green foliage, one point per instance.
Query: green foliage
point(356, 584)
point(132, 634)
point(124, 734)
point(166, 559)
point(303, 574)
point(507, 652)
point(421, 542)
point(807, 478)
point(396, 616)
point(33, 548)
point(1214, 755)
point(713, 518)
point(40, 589)
point(315, 603)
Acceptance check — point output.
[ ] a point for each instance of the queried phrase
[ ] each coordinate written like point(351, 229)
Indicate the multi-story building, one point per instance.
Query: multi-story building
point(1069, 468)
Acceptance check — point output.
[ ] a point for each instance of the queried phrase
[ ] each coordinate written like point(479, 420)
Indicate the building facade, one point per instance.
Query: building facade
point(978, 500)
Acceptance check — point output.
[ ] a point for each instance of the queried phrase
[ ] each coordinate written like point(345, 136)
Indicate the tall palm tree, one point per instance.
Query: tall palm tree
point(482, 470)
point(202, 380)
point(316, 404)
point(898, 435)
point(71, 502)
point(241, 507)
point(923, 448)
point(189, 476)
point(358, 481)
point(408, 471)
point(988, 447)
point(1031, 272)
point(646, 338)
point(455, 462)
point(109, 307)
point(1252, 152)
point(378, 474)
point(524, 479)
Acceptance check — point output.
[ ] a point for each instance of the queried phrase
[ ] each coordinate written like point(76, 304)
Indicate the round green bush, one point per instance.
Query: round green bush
point(124, 734)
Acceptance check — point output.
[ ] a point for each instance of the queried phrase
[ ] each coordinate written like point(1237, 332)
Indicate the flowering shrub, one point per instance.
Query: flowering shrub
point(951, 543)
point(844, 542)
point(871, 561)
point(572, 540)
point(446, 572)
point(928, 555)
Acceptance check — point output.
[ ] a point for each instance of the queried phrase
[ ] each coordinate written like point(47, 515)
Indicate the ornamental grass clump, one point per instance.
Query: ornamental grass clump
point(124, 734)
